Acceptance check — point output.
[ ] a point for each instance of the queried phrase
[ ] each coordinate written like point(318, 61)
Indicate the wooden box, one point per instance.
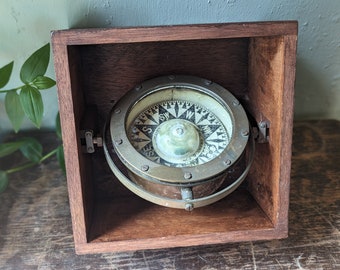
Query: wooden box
point(95, 67)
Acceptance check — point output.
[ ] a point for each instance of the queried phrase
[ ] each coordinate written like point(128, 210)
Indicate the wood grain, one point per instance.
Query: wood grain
point(95, 67)
point(174, 32)
point(36, 230)
point(109, 71)
point(270, 98)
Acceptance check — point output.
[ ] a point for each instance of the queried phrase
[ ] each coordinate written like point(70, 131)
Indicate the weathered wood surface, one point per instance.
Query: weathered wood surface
point(36, 231)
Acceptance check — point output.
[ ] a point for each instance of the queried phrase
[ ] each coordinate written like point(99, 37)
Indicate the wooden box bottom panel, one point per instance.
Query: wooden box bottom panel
point(131, 223)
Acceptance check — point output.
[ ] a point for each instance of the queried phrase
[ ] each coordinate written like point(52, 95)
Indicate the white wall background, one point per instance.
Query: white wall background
point(25, 26)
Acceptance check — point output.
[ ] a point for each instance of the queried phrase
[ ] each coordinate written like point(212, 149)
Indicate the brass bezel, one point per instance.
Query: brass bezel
point(137, 163)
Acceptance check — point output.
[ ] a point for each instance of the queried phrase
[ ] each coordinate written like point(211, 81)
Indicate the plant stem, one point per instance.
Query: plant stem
point(31, 164)
point(54, 151)
point(20, 168)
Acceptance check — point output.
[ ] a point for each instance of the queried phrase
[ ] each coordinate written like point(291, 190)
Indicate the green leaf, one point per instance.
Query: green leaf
point(43, 82)
point(3, 181)
point(36, 65)
point(32, 149)
point(5, 74)
point(58, 126)
point(32, 104)
point(14, 109)
point(60, 157)
point(9, 148)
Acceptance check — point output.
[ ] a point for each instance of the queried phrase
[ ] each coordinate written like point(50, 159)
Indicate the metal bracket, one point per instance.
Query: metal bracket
point(187, 196)
point(261, 132)
point(90, 141)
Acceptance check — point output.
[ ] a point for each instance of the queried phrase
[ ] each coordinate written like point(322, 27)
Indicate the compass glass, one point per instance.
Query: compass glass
point(177, 130)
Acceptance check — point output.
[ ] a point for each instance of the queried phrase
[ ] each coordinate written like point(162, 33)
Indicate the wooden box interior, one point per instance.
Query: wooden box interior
point(108, 217)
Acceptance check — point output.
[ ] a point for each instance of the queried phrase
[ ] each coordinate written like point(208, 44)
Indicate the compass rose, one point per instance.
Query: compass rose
point(178, 133)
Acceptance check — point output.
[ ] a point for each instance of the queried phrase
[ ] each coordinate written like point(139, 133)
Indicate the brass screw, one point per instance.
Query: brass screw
point(263, 124)
point(236, 102)
point(145, 168)
point(227, 162)
point(187, 175)
point(245, 133)
point(119, 141)
point(189, 207)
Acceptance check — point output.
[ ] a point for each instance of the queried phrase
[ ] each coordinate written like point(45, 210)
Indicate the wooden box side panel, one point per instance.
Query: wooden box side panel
point(85, 120)
point(271, 99)
point(71, 107)
point(287, 117)
point(265, 85)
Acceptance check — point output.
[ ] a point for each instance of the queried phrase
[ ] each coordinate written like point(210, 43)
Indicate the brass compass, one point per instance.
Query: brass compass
point(178, 138)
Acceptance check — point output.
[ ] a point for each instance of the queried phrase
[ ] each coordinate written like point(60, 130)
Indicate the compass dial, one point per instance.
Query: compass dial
point(178, 133)
point(176, 140)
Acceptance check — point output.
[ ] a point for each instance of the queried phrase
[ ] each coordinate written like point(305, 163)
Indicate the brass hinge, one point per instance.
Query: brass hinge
point(89, 141)
point(261, 132)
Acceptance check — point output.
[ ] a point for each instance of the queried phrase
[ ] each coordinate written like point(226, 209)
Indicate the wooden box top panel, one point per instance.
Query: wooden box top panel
point(176, 32)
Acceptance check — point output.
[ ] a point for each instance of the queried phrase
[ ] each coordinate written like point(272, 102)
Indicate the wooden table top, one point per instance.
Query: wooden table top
point(36, 232)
